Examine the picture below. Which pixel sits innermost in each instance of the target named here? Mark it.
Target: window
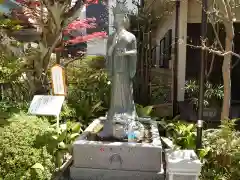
(154, 57)
(168, 45)
(165, 50)
(162, 47)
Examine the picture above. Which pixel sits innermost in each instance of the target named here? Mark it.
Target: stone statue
(121, 64)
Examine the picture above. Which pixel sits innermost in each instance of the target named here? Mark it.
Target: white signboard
(58, 80)
(46, 105)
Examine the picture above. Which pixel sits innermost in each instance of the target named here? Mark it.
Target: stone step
(104, 174)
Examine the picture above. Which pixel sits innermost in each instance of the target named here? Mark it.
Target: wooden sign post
(58, 81)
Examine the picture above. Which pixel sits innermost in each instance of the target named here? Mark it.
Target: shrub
(220, 153)
(213, 94)
(20, 158)
(182, 134)
(88, 91)
(222, 157)
(10, 107)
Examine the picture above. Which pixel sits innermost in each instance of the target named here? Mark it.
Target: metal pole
(202, 78)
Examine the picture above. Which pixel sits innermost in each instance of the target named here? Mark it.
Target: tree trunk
(226, 71)
(37, 79)
(37, 84)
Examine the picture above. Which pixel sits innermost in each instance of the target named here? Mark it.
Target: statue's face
(120, 20)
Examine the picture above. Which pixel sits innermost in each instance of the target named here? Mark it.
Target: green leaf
(62, 135)
(74, 136)
(62, 145)
(76, 128)
(204, 152)
(96, 106)
(190, 127)
(38, 166)
(63, 127)
(55, 137)
(147, 110)
(59, 158)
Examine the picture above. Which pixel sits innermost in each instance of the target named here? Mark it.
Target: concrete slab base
(104, 174)
(99, 160)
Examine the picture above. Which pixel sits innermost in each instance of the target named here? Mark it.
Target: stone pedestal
(106, 174)
(116, 160)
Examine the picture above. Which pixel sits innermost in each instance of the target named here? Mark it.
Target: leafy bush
(20, 156)
(182, 134)
(221, 148)
(144, 111)
(88, 91)
(213, 93)
(10, 107)
(221, 152)
(63, 140)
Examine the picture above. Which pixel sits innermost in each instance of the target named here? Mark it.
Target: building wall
(168, 22)
(195, 11)
(190, 13)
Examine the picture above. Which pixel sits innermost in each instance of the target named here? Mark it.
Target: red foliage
(86, 38)
(80, 24)
(76, 25)
(30, 3)
(83, 24)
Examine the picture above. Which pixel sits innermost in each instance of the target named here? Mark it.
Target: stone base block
(103, 174)
(122, 156)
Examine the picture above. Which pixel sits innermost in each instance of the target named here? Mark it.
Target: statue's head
(121, 18)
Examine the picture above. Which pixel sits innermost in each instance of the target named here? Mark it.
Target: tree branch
(74, 9)
(74, 59)
(218, 52)
(216, 35)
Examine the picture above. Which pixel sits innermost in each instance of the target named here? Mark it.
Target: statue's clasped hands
(121, 51)
(124, 52)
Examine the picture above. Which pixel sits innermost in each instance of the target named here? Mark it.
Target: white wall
(168, 22)
(190, 12)
(182, 49)
(195, 11)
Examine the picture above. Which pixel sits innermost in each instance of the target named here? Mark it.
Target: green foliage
(213, 94)
(64, 139)
(6, 23)
(144, 111)
(182, 134)
(20, 156)
(9, 65)
(11, 70)
(222, 152)
(88, 91)
(10, 107)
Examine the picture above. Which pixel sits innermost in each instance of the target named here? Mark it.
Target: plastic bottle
(131, 132)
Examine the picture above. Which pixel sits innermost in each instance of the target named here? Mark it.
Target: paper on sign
(58, 80)
(46, 105)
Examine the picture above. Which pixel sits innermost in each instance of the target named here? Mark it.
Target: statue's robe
(122, 69)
